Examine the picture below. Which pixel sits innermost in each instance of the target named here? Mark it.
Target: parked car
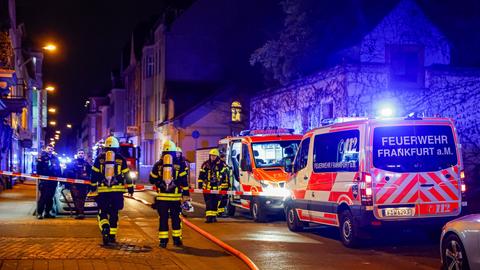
(64, 202)
(460, 243)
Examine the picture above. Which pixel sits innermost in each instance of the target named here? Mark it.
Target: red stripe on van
(445, 188)
(392, 188)
(320, 181)
(407, 189)
(423, 197)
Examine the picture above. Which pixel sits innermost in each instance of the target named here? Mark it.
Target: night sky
(90, 36)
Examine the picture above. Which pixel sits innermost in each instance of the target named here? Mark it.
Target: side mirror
(288, 166)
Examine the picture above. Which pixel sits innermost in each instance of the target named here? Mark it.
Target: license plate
(90, 204)
(398, 212)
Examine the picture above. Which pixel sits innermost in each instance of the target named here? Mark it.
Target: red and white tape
(146, 187)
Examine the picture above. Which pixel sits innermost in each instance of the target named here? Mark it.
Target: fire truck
(365, 174)
(257, 159)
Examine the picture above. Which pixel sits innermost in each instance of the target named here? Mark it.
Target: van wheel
(230, 208)
(294, 224)
(348, 231)
(257, 211)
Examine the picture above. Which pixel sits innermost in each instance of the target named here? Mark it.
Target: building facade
(404, 64)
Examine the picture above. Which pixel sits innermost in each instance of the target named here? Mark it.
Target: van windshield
(274, 154)
(419, 148)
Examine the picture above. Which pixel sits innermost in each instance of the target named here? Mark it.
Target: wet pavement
(272, 246)
(66, 243)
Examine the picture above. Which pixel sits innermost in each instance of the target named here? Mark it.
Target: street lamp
(52, 110)
(53, 123)
(57, 132)
(50, 88)
(50, 47)
(69, 125)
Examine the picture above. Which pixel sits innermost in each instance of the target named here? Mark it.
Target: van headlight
(133, 175)
(273, 189)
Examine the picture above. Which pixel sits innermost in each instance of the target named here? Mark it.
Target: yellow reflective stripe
(130, 185)
(221, 210)
(103, 222)
(153, 175)
(168, 199)
(211, 213)
(185, 188)
(182, 174)
(94, 184)
(163, 235)
(200, 180)
(113, 230)
(169, 194)
(202, 170)
(176, 233)
(95, 169)
(125, 170)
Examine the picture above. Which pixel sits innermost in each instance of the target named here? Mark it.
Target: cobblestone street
(65, 243)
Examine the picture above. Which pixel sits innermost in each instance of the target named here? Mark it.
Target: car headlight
(133, 175)
(273, 189)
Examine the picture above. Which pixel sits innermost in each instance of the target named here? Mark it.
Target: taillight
(463, 187)
(366, 191)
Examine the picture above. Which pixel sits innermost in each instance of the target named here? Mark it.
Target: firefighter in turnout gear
(224, 186)
(49, 165)
(79, 169)
(169, 175)
(212, 174)
(110, 178)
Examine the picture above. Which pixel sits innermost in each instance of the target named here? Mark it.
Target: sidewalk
(65, 243)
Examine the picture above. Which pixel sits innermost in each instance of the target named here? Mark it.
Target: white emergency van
(375, 172)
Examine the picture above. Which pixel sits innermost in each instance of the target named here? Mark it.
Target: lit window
(236, 111)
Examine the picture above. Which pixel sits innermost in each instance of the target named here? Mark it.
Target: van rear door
(416, 170)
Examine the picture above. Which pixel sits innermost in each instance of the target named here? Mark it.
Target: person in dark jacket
(47, 165)
(79, 169)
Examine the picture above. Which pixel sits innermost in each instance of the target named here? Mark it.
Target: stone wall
(300, 104)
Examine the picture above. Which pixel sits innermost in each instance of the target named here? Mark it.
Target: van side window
(246, 164)
(302, 157)
(336, 152)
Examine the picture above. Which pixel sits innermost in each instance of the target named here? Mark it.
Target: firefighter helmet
(214, 152)
(169, 146)
(112, 142)
(179, 150)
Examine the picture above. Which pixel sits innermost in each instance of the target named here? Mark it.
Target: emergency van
(367, 173)
(257, 159)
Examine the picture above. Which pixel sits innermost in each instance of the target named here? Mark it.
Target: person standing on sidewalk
(224, 186)
(169, 175)
(212, 175)
(110, 178)
(48, 165)
(79, 169)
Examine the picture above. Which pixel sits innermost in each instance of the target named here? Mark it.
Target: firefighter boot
(209, 219)
(214, 219)
(106, 234)
(163, 243)
(177, 241)
(111, 239)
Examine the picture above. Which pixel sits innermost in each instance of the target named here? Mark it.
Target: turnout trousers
(109, 203)
(165, 210)
(211, 203)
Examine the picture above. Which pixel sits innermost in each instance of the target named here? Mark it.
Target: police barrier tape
(273, 193)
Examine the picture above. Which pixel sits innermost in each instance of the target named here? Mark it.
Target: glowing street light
(69, 125)
(52, 139)
(53, 123)
(57, 132)
(50, 88)
(52, 110)
(50, 47)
